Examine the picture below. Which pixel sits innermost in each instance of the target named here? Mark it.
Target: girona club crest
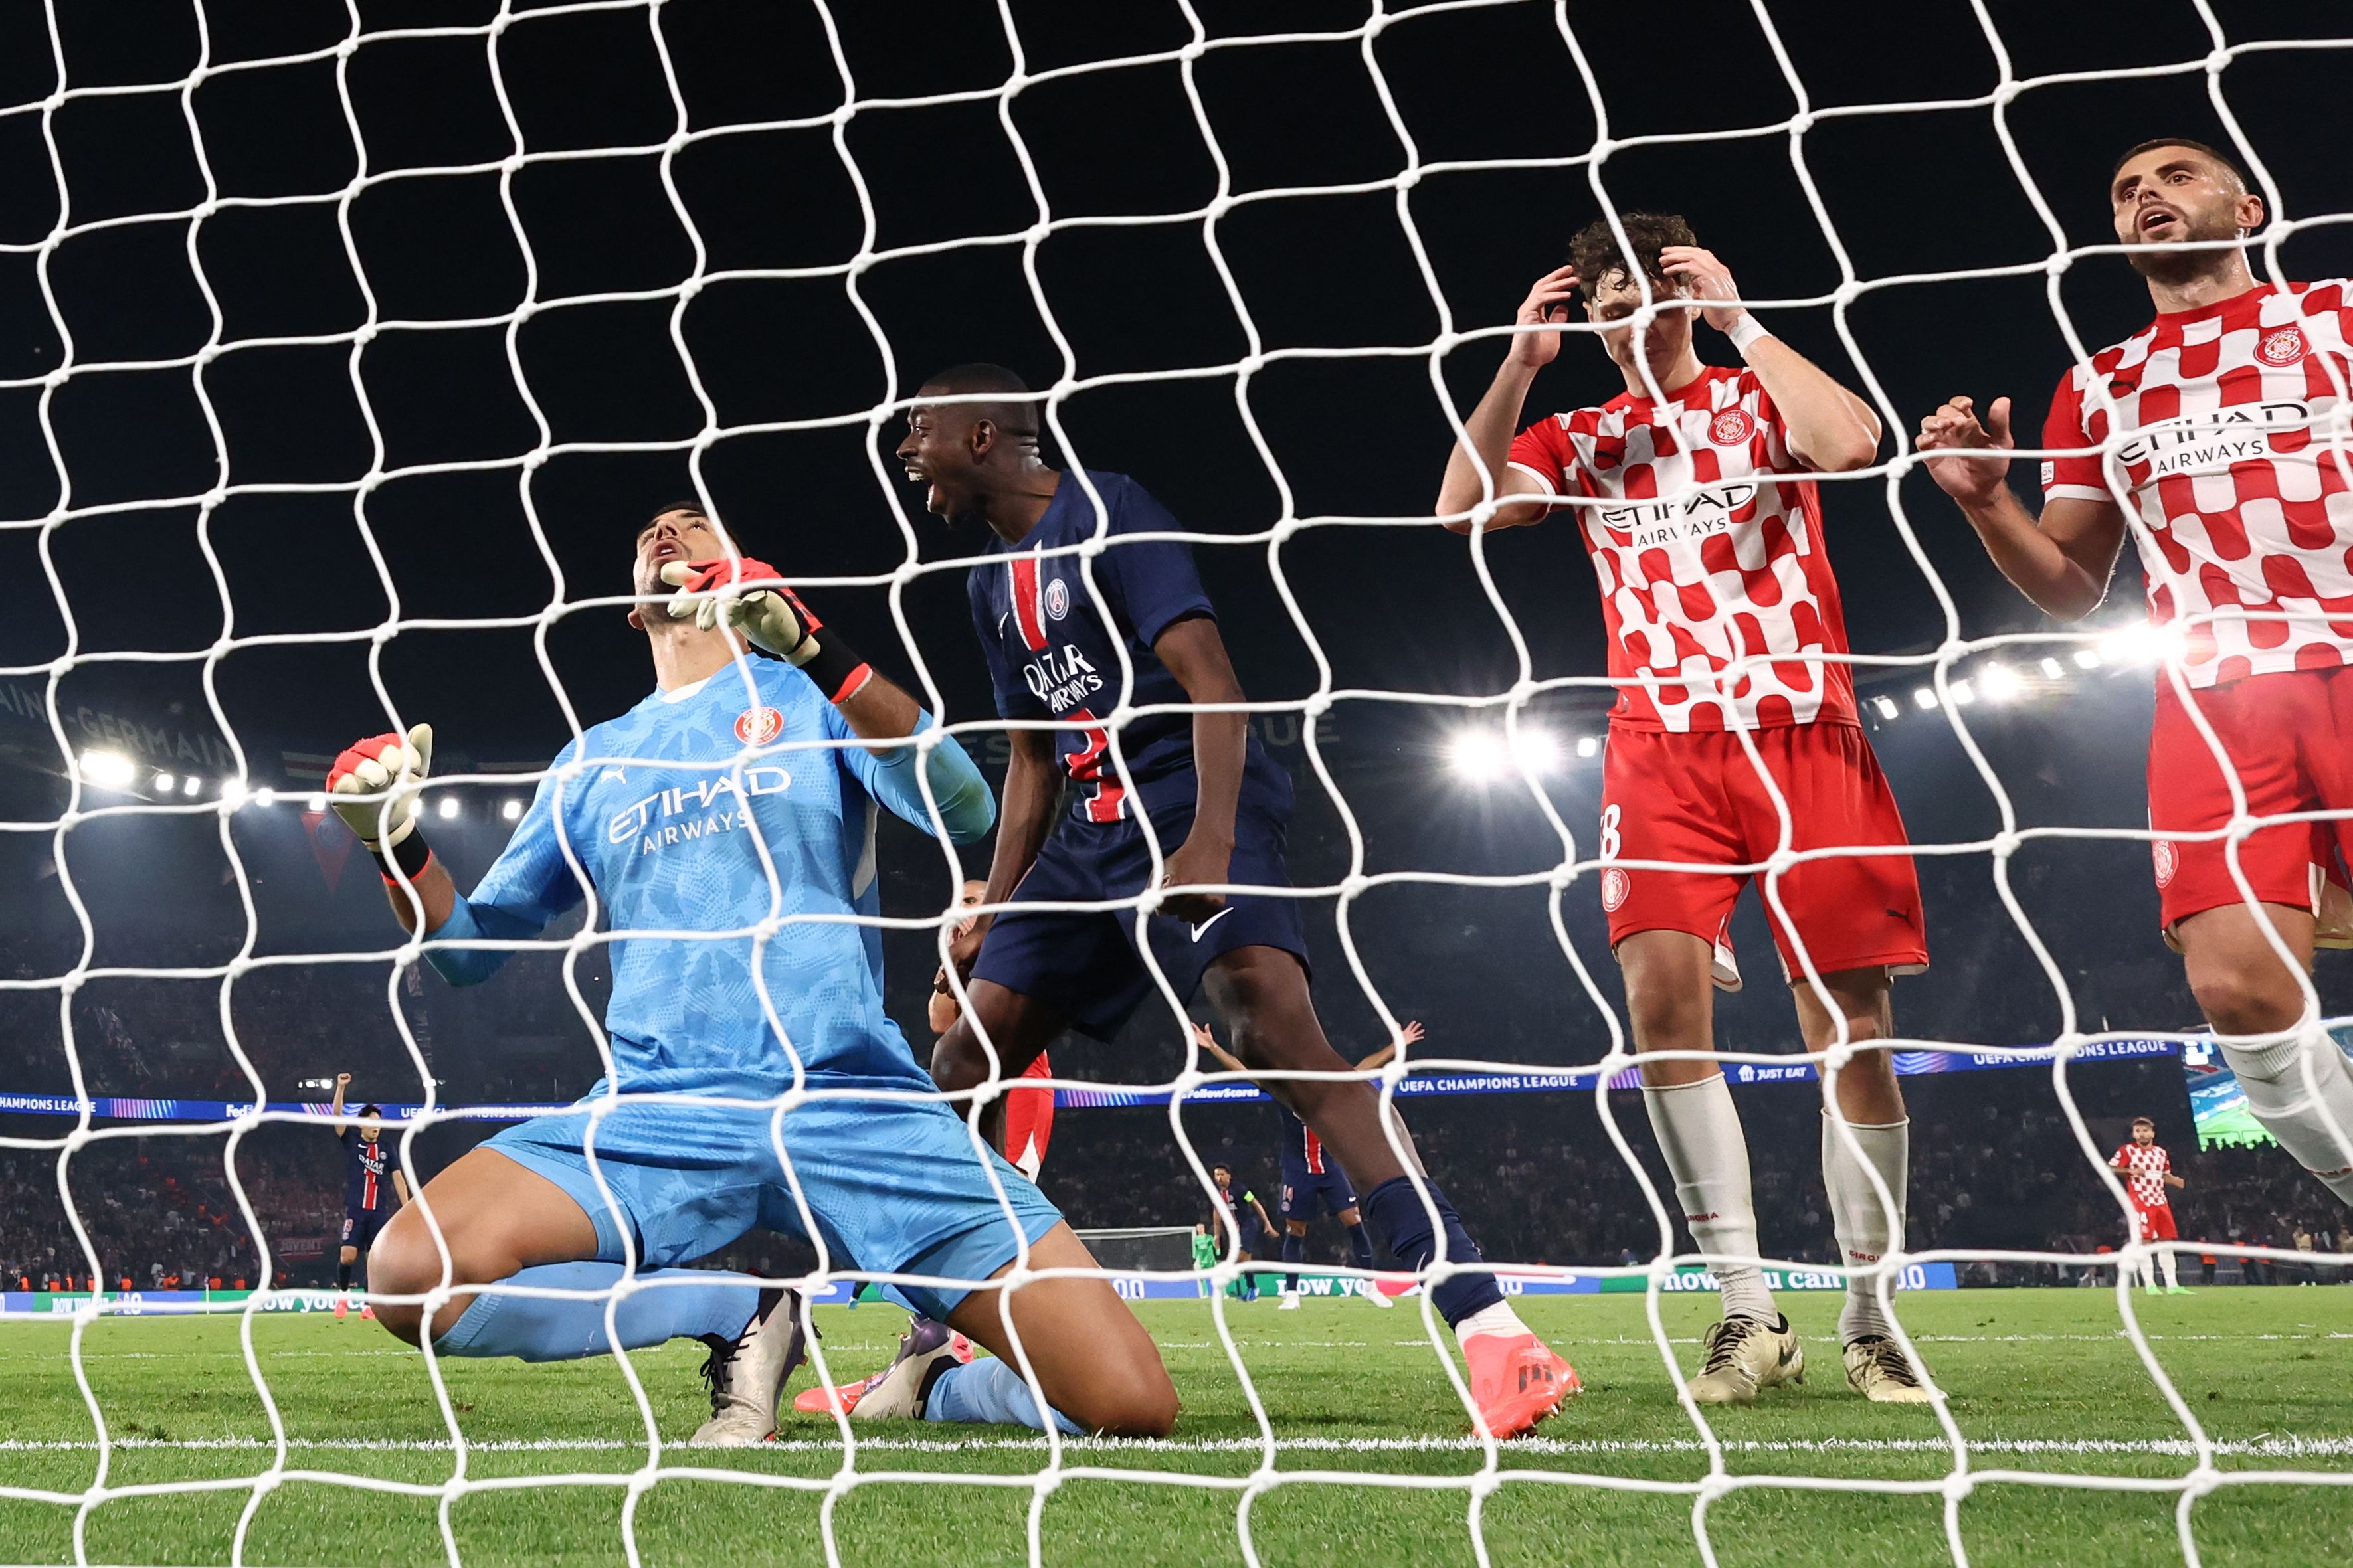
(2283, 345)
(1614, 889)
(2167, 858)
(1731, 427)
(758, 726)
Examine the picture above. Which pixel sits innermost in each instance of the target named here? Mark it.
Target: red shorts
(2289, 737)
(2157, 1225)
(1029, 1120)
(1695, 798)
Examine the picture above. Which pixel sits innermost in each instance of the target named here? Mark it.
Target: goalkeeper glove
(770, 615)
(364, 776)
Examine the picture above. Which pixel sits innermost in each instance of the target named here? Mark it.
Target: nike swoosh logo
(1213, 920)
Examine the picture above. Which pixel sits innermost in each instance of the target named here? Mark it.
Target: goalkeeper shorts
(2289, 736)
(894, 1185)
(1695, 798)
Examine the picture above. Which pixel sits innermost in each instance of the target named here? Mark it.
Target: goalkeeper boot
(897, 1392)
(1517, 1380)
(1877, 1368)
(747, 1373)
(846, 1395)
(1743, 1356)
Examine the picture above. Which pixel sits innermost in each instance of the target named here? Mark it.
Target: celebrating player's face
(935, 456)
(1615, 297)
(2170, 197)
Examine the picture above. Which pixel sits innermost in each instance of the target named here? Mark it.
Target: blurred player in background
(374, 1185)
(1244, 1218)
(1310, 1177)
(1692, 491)
(2148, 1170)
(2213, 422)
(662, 821)
(1218, 809)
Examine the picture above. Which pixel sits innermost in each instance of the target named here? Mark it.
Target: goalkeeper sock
(1707, 1155)
(1294, 1248)
(1360, 1242)
(1397, 1210)
(542, 1327)
(991, 1390)
(2297, 1115)
(1857, 1219)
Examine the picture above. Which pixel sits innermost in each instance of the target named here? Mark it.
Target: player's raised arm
(375, 785)
(2062, 561)
(342, 1082)
(1208, 1042)
(1410, 1034)
(1831, 429)
(1492, 424)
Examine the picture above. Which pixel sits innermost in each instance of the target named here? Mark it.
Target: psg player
(733, 877)
(1219, 808)
(1243, 1218)
(1692, 489)
(2215, 434)
(374, 1185)
(2148, 1172)
(1311, 1177)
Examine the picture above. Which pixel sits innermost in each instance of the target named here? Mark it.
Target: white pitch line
(2163, 1447)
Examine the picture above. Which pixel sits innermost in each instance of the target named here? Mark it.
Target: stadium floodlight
(2088, 659)
(192, 786)
(164, 784)
(2139, 643)
(1963, 692)
(1887, 707)
(1925, 697)
(108, 770)
(1587, 746)
(511, 811)
(448, 806)
(265, 798)
(1482, 756)
(2001, 683)
(316, 803)
(1537, 750)
(2054, 669)
(232, 793)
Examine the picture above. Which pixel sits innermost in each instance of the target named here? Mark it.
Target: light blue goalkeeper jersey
(663, 832)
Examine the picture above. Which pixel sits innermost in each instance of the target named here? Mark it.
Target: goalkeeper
(683, 818)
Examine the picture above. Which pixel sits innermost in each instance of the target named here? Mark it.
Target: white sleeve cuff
(2075, 492)
(1544, 480)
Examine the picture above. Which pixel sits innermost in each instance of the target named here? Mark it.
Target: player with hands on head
(2212, 425)
(373, 1186)
(1058, 628)
(1693, 492)
(683, 818)
(2148, 1172)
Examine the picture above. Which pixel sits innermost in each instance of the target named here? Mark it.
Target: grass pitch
(2042, 1383)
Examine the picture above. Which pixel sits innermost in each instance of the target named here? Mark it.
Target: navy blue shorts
(1087, 965)
(1302, 1189)
(360, 1227)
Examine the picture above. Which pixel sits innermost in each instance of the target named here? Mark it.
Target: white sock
(2274, 1077)
(1856, 1217)
(2172, 1274)
(2148, 1271)
(1498, 1319)
(1707, 1155)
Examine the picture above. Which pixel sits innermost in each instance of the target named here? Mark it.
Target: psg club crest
(2168, 861)
(1614, 888)
(1731, 427)
(2282, 346)
(1057, 599)
(758, 726)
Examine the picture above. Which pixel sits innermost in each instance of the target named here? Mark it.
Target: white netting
(1061, 1461)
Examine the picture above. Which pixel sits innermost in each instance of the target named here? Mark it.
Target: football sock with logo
(1360, 1242)
(2296, 1112)
(1707, 1155)
(1397, 1211)
(1294, 1247)
(547, 1328)
(1858, 1218)
(988, 1390)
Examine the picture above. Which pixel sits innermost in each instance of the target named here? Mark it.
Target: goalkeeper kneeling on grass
(738, 792)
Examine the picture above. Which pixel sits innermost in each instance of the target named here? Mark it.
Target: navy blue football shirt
(368, 1170)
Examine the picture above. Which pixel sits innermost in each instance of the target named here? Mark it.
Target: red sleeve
(2077, 477)
(1544, 452)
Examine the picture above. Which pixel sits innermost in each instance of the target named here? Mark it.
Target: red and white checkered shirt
(2221, 415)
(2144, 1171)
(1708, 543)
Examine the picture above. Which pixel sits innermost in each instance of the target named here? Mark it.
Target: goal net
(345, 351)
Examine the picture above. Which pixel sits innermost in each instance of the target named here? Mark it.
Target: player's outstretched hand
(1972, 481)
(1706, 280)
(770, 615)
(1547, 305)
(368, 771)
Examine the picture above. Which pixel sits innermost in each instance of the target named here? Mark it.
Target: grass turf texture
(2042, 1381)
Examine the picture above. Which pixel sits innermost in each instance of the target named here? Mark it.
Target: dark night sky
(1360, 436)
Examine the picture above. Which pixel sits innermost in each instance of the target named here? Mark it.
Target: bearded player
(1692, 491)
(738, 802)
(1218, 809)
(2219, 424)
(2148, 1172)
